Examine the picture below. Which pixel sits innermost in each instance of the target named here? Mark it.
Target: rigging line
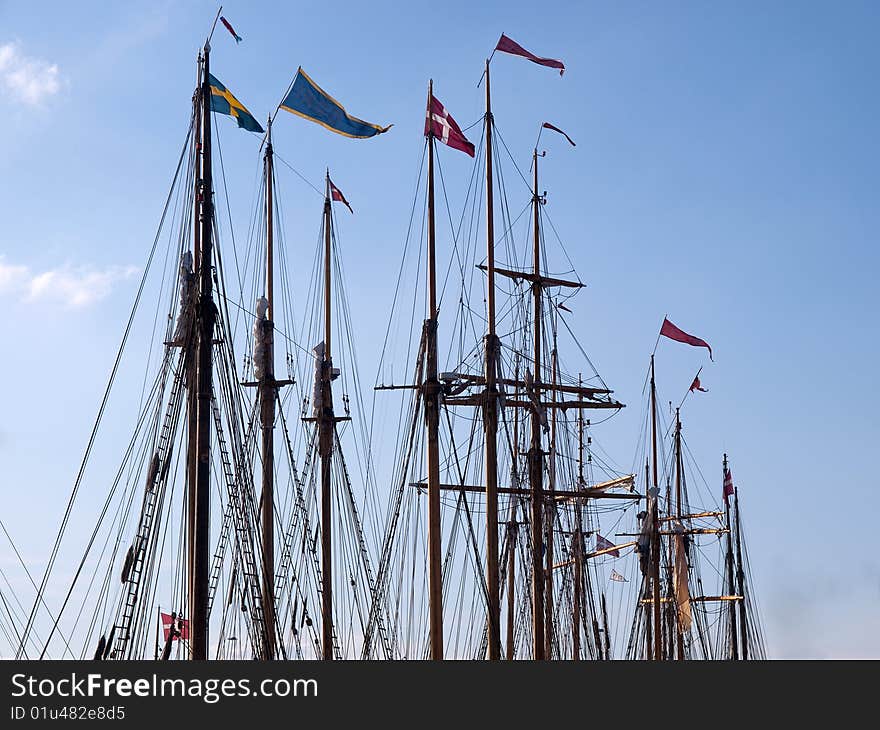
(515, 166)
(297, 173)
(100, 415)
(252, 314)
(228, 209)
(30, 578)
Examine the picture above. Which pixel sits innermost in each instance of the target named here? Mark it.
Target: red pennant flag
(547, 125)
(674, 333)
(728, 485)
(179, 626)
(230, 29)
(506, 45)
(443, 127)
(337, 195)
(696, 385)
(603, 544)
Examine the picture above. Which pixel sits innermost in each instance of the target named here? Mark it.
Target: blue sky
(725, 174)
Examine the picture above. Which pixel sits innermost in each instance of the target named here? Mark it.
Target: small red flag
(674, 333)
(507, 45)
(180, 626)
(230, 29)
(547, 125)
(696, 385)
(337, 195)
(728, 484)
(603, 544)
(442, 126)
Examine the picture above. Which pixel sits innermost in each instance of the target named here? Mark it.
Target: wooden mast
(206, 316)
(535, 455)
(326, 428)
(550, 505)
(267, 392)
(734, 649)
(191, 382)
(655, 527)
(740, 575)
(431, 394)
(512, 531)
(490, 406)
(679, 638)
(649, 643)
(578, 544)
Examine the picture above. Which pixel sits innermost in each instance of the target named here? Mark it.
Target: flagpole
(657, 341)
(213, 25)
(689, 390)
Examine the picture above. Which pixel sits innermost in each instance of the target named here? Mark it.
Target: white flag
(618, 577)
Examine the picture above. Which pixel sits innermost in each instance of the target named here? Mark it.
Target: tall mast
(191, 381)
(734, 652)
(740, 575)
(578, 542)
(267, 392)
(490, 415)
(679, 640)
(431, 392)
(551, 514)
(206, 316)
(649, 607)
(655, 527)
(326, 427)
(535, 454)
(513, 528)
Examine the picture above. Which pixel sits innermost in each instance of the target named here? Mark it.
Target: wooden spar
(535, 454)
(511, 582)
(431, 394)
(578, 543)
(585, 391)
(561, 495)
(206, 315)
(734, 649)
(326, 428)
(191, 382)
(512, 535)
(490, 406)
(607, 633)
(550, 507)
(655, 529)
(740, 574)
(595, 554)
(267, 391)
(678, 543)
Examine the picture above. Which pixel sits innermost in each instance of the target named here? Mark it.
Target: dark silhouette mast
(267, 390)
(206, 317)
(431, 393)
(535, 455)
(490, 405)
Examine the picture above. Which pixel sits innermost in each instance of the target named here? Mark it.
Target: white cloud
(71, 287)
(30, 80)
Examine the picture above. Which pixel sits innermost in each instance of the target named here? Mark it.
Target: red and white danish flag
(443, 127)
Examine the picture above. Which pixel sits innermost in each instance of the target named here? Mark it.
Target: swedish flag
(310, 101)
(223, 102)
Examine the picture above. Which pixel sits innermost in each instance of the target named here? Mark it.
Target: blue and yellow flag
(310, 101)
(223, 102)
